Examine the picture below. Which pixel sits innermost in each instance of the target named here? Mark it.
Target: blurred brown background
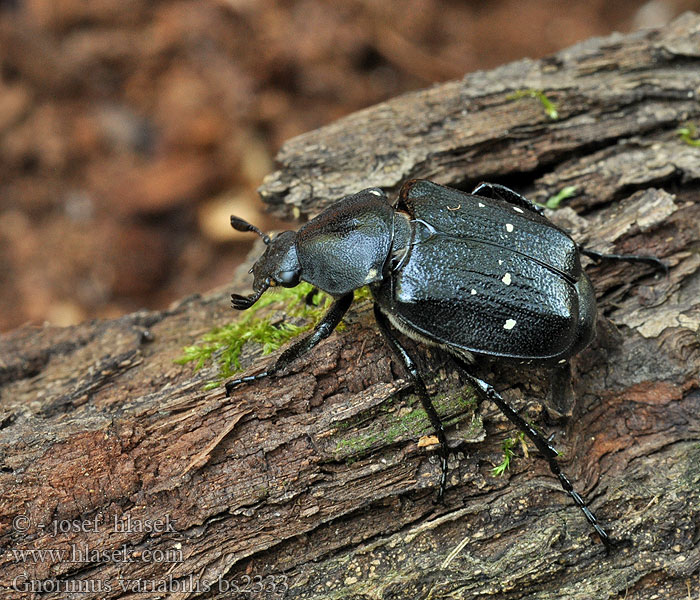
(130, 130)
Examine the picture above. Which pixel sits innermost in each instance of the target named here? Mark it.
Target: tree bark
(319, 482)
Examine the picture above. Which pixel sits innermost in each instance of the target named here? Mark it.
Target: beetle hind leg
(415, 377)
(487, 391)
(650, 260)
(497, 191)
(560, 398)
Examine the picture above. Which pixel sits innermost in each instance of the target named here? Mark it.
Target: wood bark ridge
(316, 481)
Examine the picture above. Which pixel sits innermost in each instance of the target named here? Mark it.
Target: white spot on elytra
(473, 292)
(517, 209)
(506, 279)
(481, 205)
(375, 192)
(562, 361)
(500, 262)
(509, 324)
(509, 227)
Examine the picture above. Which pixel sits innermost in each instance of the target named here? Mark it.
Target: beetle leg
(415, 377)
(501, 192)
(487, 391)
(309, 298)
(560, 399)
(321, 331)
(650, 260)
(497, 191)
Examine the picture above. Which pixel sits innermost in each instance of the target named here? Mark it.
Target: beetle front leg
(321, 331)
(309, 298)
(415, 377)
(487, 391)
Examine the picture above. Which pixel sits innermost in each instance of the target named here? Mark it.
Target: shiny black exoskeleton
(480, 274)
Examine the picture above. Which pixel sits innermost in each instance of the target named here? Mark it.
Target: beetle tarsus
(247, 379)
(240, 302)
(487, 391)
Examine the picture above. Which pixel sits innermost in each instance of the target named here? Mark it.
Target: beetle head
(279, 264)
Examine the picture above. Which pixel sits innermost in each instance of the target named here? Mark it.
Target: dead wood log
(122, 478)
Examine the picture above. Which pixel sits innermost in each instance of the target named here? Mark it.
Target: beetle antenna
(242, 302)
(240, 225)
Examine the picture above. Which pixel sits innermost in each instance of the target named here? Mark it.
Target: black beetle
(480, 274)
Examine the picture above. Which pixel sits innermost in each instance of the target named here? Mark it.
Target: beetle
(484, 274)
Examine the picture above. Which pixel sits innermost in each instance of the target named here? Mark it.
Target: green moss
(508, 445)
(223, 345)
(689, 135)
(550, 108)
(553, 202)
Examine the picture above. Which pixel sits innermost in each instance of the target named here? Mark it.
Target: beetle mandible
(480, 274)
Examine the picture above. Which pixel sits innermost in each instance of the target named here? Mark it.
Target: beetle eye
(288, 278)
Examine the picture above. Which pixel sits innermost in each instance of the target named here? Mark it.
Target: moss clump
(508, 445)
(223, 345)
(689, 135)
(553, 202)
